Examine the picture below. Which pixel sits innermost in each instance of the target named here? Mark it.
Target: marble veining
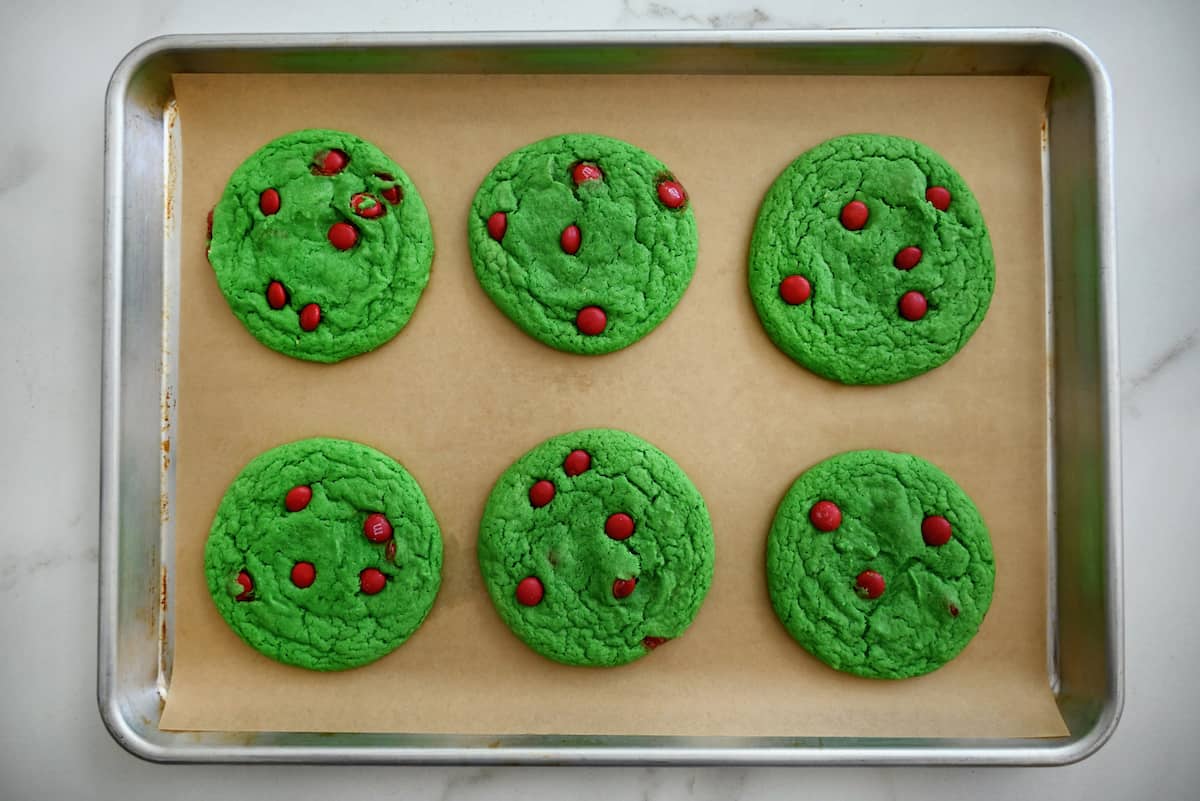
(1176, 353)
(664, 14)
(31, 566)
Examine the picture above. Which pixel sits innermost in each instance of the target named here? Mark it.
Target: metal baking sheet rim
(131, 696)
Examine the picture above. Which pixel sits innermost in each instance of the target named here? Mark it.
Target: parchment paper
(462, 392)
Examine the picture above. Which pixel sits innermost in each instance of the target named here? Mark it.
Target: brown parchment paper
(462, 392)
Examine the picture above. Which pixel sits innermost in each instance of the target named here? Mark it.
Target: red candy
(497, 224)
(591, 320)
(619, 526)
(935, 530)
(304, 574)
(953, 610)
(653, 642)
(210, 214)
(541, 493)
(583, 172)
(297, 498)
(268, 201)
(310, 317)
(367, 206)
(371, 581)
(343, 235)
(623, 588)
(570, 239)
(939, 196)
(277, 296)
(854, 215)
(530, 591)
(393, 194)
(913, 306)
(825, 515)
(671, 194)
(577, 462)
(795, 289)
(247, 583)
(869, 584)
(331, 162)
(376, 528)
(907, 258)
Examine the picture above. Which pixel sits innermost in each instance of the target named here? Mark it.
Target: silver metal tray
(141, 262)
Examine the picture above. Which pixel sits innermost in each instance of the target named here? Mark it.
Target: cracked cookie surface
(321, 245)
(879, 564)
(870, 261)
(324, 554)
(585, 242)
(596, 548)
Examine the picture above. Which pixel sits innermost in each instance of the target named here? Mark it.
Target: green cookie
(585, 242)
(321, 245)
(596, 548)
(878, 297)
(879, 564)
(324, 554)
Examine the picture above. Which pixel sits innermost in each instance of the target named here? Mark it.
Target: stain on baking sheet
(170, 120)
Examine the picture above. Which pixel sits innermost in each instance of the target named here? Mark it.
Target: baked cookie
(321, 245)
(879, 564)
(324, 554)
(870, 262)
(585, 242)
(596, 548)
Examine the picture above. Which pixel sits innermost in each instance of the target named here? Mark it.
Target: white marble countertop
(56, 60)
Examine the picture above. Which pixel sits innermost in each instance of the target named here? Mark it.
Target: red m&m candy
(869, 584)
(938, 197)
(277, 296)
(541, 493)
(577, 462)
(331, 162)
(913, 306)
(571, 239)
(366, 206)
(907, 258)
(825, 515)
(935, 530)
(671, 194)
(583, 172)
(591, 320)
(297, 498)
(304, 574)
(310, 317)
(497, 224)
(795, 289)
(619, 526)
(623, 588)
(854, 215)
(376, 528)
(371, 581)
(243, 578)
(530, 591)
(343, 235)
(268, 201)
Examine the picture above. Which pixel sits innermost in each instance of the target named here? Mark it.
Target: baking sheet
(462, 392)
